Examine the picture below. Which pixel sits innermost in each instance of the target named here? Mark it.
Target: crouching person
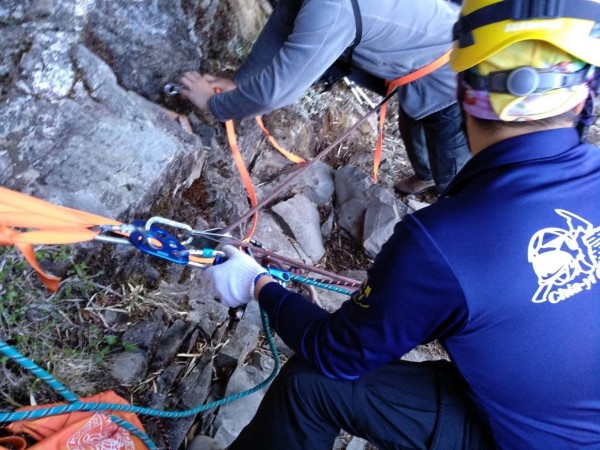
(503, 271)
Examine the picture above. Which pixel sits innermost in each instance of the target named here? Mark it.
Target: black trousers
(436, 145)
(402, 405)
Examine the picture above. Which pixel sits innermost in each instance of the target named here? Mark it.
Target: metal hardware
(159, 243)
(279, 274)
(172, 223)
(172, 89)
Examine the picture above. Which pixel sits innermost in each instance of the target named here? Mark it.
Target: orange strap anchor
(239, 162)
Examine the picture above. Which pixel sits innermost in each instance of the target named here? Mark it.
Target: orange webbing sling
(393, 84)
(26, 221)
(239, 162)
(275, 144)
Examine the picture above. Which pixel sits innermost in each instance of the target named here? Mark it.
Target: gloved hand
(233, 281)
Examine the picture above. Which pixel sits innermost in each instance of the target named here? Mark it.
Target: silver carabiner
(123, 228)
(171, 223)
(172, 89)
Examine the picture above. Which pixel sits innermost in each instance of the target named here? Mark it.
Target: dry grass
(64, 332)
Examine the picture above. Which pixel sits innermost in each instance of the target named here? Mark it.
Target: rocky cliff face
(81, 125)
(84, 123)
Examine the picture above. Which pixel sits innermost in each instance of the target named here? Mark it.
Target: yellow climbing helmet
(487, 26)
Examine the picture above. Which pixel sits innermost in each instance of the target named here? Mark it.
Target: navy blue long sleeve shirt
(504, 271)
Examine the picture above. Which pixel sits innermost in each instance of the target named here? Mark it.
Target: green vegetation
(63, 332)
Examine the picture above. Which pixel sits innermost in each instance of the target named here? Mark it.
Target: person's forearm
(236, 105)
(321, 33)
(290, 314)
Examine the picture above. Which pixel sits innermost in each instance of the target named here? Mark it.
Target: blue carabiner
(157, 242)
(279, 274)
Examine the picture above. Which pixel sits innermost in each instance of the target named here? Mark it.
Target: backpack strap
(358, 37)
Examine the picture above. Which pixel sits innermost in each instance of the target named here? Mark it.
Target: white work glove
(233, 281)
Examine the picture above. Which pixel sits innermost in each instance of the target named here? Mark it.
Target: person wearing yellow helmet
(522, 60)
(503, 271)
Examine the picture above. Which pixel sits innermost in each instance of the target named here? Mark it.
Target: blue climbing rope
(172, 250)
(77, 405)
(286, 276)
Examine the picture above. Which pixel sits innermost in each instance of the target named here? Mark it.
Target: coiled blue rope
(77, 405)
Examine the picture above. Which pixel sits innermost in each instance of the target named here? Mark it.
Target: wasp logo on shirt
(565, 260)
(362, 294)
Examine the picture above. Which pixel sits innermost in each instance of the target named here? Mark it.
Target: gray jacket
(302, 38)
